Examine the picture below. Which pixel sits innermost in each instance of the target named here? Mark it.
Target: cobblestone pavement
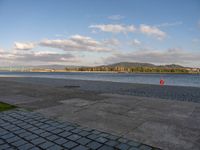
(25, 130)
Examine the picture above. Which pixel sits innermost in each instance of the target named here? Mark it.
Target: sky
(97, 32)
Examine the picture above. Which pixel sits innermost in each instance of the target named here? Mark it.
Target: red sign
(162, 82)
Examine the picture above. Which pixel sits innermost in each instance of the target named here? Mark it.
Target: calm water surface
(170, 79)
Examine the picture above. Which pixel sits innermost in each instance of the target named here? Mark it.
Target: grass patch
(4, 106)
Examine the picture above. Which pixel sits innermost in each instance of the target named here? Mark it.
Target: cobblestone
(28, 130)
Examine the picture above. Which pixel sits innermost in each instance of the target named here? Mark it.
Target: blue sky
(91, 32)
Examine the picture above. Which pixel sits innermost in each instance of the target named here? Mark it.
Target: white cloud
(112, 42)
(169, 56)
(152, 31)
(77, 43)
(36, 57)
(23, 46)
(135, 42)
(114, 28)
(1, 50)
(115, 17)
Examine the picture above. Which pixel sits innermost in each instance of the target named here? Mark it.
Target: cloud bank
(152, 31)
(114, 28)
(23, 46)
(77, 43)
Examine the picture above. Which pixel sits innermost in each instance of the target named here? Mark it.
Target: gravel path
(165, 92)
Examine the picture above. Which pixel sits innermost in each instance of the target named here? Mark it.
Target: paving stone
(74, 137)
(2, 121)
(65, 134)
(61, 141)
(94, 145)
(17, 122)
(112, 143)
(10, 148)
(44, 126)
(57, 131)
(50, 128)
(38, 141)
(66, 123)
(2, 133)
(52, 137)
(26, 146)
(83, 141)
(61, 126)
(70, 144)
(15, 128)
(19, 131)
(39, 131)
(53, 123)
(4, 146)
(5, 124)
(48, 121)
(39, 124)
(19, 143)
(24, 134)
(31, 137)
(32, 129)
(44, 120)
(92, 136)
(133, 148)
(88, 129)
(34, 122)
(7, 136)
(55, 147)
(28, 126)
(123, 146)
(13, 139)
(80, 147)
(22, 124)
(113, 137)
(46, 145)
(104, 134)
(68, 128)
(84, 133)
(29, 120)
(96, 132)
(76, 130)
(35, 148)
(1, 142)
(133, 143)
(45, 134)
(145, 147)
(10, 127)
(106, 148)
(101, 140)
(123, 140)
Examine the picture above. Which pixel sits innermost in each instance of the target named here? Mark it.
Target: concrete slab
(165, 124)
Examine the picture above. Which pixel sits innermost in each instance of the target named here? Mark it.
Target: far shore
(63, 71)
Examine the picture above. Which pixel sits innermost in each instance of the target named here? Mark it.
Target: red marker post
(162, 82)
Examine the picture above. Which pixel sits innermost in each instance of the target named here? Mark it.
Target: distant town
(122, 67)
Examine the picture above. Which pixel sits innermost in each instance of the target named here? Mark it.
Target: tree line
(130, 69)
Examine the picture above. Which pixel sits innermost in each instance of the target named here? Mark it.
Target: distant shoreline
(102, 72)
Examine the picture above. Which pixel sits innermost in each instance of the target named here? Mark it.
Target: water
(170, 79)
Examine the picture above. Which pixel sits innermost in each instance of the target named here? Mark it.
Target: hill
(131, 64)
